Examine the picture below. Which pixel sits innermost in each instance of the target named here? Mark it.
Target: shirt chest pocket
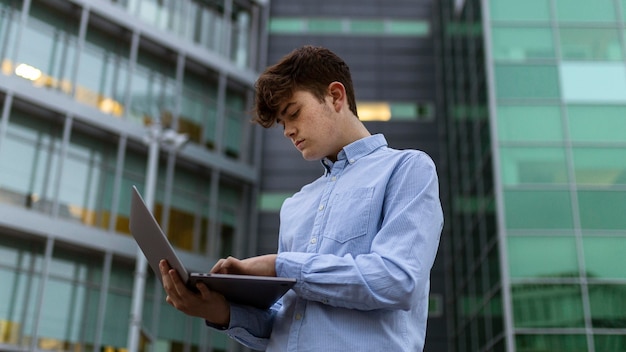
(349, 214)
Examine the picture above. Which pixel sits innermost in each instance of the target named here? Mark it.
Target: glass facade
(538, 180)
(80, 87)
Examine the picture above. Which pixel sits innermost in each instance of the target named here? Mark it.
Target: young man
(360, 240)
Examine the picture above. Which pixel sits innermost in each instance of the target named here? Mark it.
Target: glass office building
(82, 84)
(535, 98)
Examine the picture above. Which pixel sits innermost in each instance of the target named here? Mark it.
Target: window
(538, 209)
(103, 70)
(599, 44)
(48, 47)
(597, 123)
(153, 87)
(514, 10)
(529, 123)
(585, 11)
(518, 81)
(547, 306)
(522, 43)
(602, 209)
(600, 166)
(604, 256)
(29, 159)
(533, 166)
(593, 81)
(542, 256)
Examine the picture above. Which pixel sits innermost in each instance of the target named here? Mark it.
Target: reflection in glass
(547, 306)
(533, 165)
(198, 111)
(551, 343)
(103, 71)
(542, 256)
(585, 11)
(600, 166)
(608, 306)
(522, 43)
(600, 44)
(48, 48)
(88, 173)
(153, 91)
(29, 156)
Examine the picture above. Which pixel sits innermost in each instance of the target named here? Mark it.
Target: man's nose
(288, 130)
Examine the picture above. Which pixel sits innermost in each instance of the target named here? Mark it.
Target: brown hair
(307, 68)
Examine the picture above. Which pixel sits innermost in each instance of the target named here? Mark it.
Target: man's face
(311, 125)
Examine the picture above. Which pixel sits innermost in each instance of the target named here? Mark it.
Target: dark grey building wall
(383, 69)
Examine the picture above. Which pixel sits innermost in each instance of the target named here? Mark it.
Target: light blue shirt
(361, 241)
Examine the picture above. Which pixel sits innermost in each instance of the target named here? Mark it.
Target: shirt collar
(356, 150)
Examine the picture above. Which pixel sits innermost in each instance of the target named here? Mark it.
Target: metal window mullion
(132, 65)
(102, 302)
(509, 328)
(567, 145)
(117, 181)
(67, 130)
(4, 118)
(80, 46)
(41, 292)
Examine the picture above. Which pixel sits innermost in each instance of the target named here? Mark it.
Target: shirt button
(313, 240)
(321, 207)
(334, 178)
(298, 316)
(351, 161)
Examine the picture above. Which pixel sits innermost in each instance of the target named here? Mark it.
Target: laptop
(257, 291)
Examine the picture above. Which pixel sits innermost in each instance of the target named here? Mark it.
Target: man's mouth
(298, 143)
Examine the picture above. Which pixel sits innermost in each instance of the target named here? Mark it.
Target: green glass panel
(325, 25)
(529, 123)
(547, 306)
(600, 166)
(602, 210)
(597, 123)
(542, 256)
(585, 11)
(551, 343)
(533, 165)
(538, 210)
(408, 27)
(609, 343)
(602, 44)
(522, 44)
(593, 81)
(608, 306)
(272, 202)
(367, 26)
(515, 10)
(604, 256)
(526, 81)
(286, 25)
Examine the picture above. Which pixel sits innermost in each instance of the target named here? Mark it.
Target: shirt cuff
(289, 264)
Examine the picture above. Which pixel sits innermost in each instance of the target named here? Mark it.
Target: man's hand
(206, 304)
(264, 265)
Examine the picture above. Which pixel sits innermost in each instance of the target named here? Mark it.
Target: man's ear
(337, 92)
